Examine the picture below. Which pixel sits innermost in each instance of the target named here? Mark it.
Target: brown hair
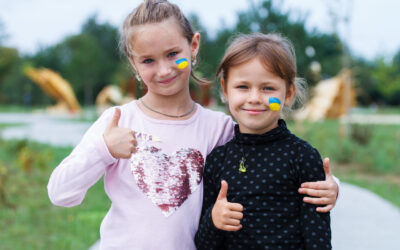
(153, 11)
(274, 51)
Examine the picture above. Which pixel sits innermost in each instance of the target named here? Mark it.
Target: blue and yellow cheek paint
(274, 104)
(182, 63)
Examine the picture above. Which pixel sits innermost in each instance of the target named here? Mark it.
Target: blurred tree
(88, 60)
(312, 48)
(366, 86)
(9, 58)
(387, 76)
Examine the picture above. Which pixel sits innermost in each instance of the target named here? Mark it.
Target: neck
(172, 105)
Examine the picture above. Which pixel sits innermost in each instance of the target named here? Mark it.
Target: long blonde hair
(152, 11)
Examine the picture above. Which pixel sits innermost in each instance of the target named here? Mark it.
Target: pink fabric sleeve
(225, 129)
(85, 165)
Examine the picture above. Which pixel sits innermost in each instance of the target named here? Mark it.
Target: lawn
(27, 218)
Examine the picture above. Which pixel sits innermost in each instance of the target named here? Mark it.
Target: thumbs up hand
(226, 215)
(121, 142)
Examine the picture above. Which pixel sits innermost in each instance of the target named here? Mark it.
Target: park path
(361, 220)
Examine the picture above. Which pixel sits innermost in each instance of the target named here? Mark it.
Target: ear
(224, 89)
(290, 95)
(195, 44)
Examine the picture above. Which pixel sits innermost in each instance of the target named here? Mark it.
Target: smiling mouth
(168, 80)
(254, 111)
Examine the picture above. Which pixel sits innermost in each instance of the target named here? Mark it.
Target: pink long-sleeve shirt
(157, 194)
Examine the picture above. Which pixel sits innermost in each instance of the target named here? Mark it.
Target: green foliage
(379, 153)
(89, 60)
(388, 79)
(29, 219)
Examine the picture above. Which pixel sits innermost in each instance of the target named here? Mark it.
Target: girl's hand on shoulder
(226, 215)
(121, 142)
(322, 192)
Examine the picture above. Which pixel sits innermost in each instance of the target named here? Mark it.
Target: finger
(235, 207)
(327, 168)
(232, 222)
(133, 141)
(316, 201)
(223, 191)
(133, 133)
(324, 209)
(231, 228)
(133, 149)
(315, 185)
(115, 119)
(236, 215)
(314, 192)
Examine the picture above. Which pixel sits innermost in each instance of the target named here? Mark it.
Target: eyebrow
(166, 51)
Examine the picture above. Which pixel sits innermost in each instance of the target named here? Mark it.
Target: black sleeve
(316, 229)
(208, 237)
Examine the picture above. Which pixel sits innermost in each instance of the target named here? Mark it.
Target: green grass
(6, 125)
(367, 157)
(29, 220)
(18, 108)
(376, 148)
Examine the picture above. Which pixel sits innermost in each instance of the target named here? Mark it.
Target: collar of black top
(277, 133)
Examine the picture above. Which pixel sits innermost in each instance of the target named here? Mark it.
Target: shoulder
(215, 160)
(301, 146)
(219, 151)
(213, 114)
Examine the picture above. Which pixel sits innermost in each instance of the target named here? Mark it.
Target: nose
(255, 97)
(164, 68)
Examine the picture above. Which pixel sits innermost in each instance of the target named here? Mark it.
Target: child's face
(156, 48)
(247, 89)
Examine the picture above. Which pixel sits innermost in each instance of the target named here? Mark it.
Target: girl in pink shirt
(152, 151)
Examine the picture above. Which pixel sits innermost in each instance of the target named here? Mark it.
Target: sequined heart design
(167, 180)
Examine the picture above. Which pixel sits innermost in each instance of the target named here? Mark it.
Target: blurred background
(60, 67)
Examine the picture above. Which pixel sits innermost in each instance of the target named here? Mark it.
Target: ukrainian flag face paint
(182, 63)
(274, 104)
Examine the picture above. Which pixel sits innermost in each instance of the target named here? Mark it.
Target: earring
(138, 77)
(194, 61)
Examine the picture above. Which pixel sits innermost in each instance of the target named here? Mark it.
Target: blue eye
(269, 88)
(172, 54)
(147, 61)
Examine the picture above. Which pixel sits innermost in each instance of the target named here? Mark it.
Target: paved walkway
(361, 220)
(54, 130)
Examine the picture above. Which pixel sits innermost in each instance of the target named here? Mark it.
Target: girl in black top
(264, 163)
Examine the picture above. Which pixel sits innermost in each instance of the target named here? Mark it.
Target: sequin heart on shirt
(167, 180)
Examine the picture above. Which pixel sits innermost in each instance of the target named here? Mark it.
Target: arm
(324, 192)
(85, 165)
(207, 236)
(316, 229)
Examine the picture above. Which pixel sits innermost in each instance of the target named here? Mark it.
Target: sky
(371, 30)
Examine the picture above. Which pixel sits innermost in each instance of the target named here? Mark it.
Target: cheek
(145, 72)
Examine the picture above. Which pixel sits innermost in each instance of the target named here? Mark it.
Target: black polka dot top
(274, 215)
